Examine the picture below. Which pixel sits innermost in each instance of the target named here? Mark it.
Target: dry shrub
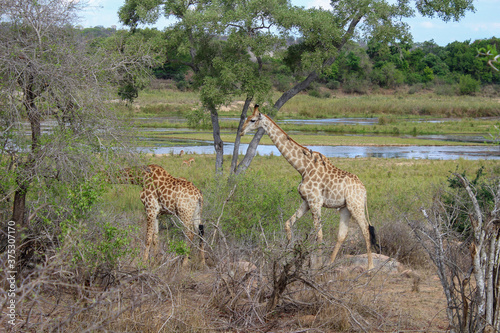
(276, 288)
(132, 298)
(398, 241)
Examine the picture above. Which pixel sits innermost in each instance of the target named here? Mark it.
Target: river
(172, 146)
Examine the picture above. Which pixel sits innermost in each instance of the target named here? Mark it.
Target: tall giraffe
(164, 194)
(323, 185)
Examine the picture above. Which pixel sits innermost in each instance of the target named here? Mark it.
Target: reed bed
(417, 105)
(339, 105)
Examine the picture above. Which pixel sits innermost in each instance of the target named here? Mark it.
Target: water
(408, 152)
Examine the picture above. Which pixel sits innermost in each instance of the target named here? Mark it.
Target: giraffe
(164, 194)
(322, 185)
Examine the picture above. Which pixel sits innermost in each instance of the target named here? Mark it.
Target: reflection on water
(409, 152)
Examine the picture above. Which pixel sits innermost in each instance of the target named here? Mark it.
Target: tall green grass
(401, 105)
(306, 106)
(266, 196)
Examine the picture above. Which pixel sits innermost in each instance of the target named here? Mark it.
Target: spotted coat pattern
(322, 185)
(164, 194)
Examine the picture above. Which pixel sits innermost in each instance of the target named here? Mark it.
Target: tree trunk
(26, 170)
(218, 143)
(19, 206)
(237, 140)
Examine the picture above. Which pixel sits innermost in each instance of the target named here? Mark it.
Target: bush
(282, 82)
(387, 76)
(446, 90)
(258, 207)
(352, 84)
(415, 88)
(467, 85)
(98, 247)
(198, 118)
(334, 85)
(314, 93)
(397, 241)
(460, 219)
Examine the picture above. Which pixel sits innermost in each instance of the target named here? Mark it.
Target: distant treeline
(454, 69)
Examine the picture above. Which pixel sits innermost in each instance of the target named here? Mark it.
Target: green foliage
(128, 91)
(179, 247)
(314, 93)
(387, 76)
(81, 197)
(467, 85)
(104, 247)
(94, 242)
(198, 118)
(352, 84)
(457, 200)
(490, 55)
(259, 205)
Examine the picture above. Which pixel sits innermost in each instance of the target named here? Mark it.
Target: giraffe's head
(253, 122)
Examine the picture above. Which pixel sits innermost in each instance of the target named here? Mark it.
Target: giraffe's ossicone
(323, 185)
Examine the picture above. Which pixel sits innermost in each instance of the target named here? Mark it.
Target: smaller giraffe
(164, 194)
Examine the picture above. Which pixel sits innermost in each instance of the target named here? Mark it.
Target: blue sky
(484, 23)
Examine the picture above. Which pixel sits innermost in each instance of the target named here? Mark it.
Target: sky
(482, 24)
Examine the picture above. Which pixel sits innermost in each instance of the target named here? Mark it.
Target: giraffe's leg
(155, 235)
(358, 214)
(304, 207)
(345, 217)
(152, 210)
(316, 257)
(151, 233)
(316, 213)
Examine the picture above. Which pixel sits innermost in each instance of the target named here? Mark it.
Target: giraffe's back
(174, 195)
(336, 186)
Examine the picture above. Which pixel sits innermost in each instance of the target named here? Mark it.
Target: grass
(416, 105)
(390, 182)
(398, 114)
(165, 101)
(306, 139)
(158, 296)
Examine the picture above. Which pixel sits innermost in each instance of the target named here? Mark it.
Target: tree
(469, 270)
(50, 75)
(323, 35)
(491, 55)
(221, 41)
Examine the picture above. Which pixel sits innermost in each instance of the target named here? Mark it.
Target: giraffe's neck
(293, 152)
(131, 176)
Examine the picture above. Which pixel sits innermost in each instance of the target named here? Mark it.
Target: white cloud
(325, 4)
(428, 25)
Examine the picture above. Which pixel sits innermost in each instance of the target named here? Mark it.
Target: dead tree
(468, 270)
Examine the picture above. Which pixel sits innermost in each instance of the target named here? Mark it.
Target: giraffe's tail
(371, 230)
(198, 224)
(197, 218)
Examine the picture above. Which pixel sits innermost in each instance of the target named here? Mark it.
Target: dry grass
(232, 294)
